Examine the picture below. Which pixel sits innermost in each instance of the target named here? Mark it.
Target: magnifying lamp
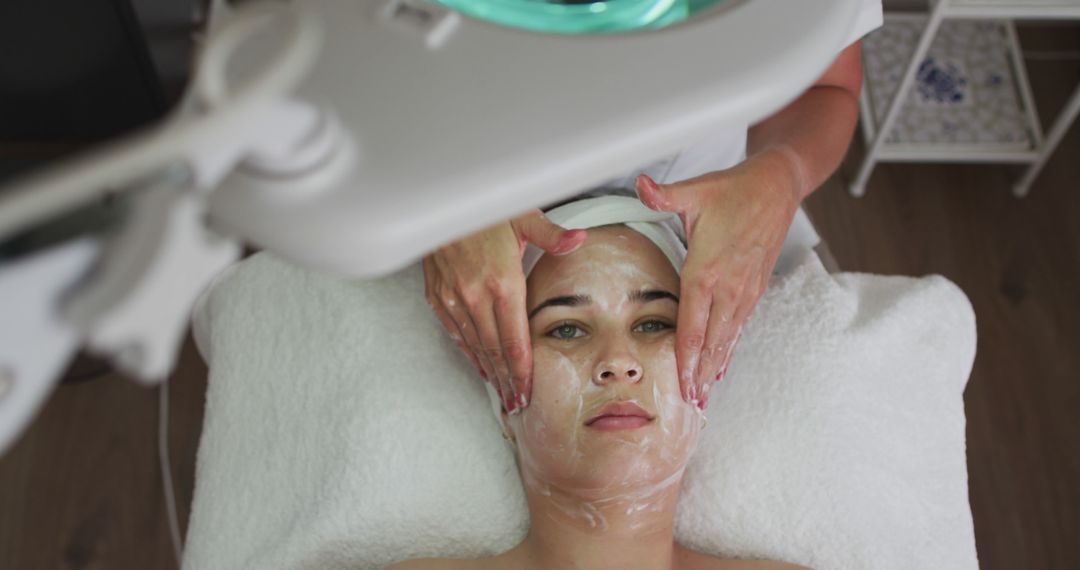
(453, 114)
(466, 116)
(355, 136)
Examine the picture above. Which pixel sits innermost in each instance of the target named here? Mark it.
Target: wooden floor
(1019, 263)
(82, 489)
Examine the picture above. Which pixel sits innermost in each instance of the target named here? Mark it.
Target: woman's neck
(626, 531)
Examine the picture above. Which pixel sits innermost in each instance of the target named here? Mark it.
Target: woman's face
(606, 415)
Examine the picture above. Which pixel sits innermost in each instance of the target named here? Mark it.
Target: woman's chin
(603, 464)
(608, 476)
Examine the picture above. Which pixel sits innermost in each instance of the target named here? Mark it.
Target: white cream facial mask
(589, 470)
(612, 350)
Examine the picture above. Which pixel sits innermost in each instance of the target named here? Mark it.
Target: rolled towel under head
(662, 228)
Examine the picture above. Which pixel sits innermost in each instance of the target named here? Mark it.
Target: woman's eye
(652, 326)
(566, 331)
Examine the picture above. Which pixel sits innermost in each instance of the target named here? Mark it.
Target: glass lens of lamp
(581, 16)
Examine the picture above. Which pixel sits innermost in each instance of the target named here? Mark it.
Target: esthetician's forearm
(816, 128)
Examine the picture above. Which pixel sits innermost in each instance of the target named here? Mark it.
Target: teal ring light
(581, 16)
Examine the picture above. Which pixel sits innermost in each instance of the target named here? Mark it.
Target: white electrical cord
(166, 472)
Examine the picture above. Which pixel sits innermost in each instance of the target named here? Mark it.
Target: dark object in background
(74, 71)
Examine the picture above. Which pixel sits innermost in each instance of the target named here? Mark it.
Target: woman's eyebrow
(563, 301)
(652, 295)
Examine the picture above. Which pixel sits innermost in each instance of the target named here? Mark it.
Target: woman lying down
(602, 447)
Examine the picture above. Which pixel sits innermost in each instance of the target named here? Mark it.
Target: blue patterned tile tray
(965, 91)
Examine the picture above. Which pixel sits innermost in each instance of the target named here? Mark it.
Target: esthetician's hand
(476, 287)
(736, 221)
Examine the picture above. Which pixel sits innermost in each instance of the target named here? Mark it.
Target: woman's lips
(619, 416)
(618, 423)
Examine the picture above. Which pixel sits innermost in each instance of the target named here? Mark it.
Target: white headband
(662, 228)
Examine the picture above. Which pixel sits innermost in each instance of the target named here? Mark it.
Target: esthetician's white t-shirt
(725, 149)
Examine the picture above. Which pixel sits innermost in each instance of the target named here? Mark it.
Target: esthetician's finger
(535, 228)
(512, 319)
(449, 309)
(466, 327)
(473, 333)
(752, 290)
(747, 303)
(488, 329)
(721, 344)
(722, 368)
(458, 335)
(678, 198)
(718, 342)
(695, 302)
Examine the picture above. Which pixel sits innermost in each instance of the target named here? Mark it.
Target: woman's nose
(621, 368)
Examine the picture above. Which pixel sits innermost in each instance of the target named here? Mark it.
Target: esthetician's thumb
(679, 197)
(536, 229)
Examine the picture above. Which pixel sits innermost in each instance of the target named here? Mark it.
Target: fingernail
(654, 200)
(522, 401)
(572, 235)
(647, 181)
(517, 403)
(568, 240)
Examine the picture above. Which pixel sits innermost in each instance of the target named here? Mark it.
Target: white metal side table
(951, 86)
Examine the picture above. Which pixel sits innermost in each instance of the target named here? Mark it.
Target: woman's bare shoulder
(435, 564)
(731, 564)
(690, 560)
(493, 563)
(502, 561)
(767, 565)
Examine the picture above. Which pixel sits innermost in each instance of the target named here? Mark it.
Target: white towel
(344, 430)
